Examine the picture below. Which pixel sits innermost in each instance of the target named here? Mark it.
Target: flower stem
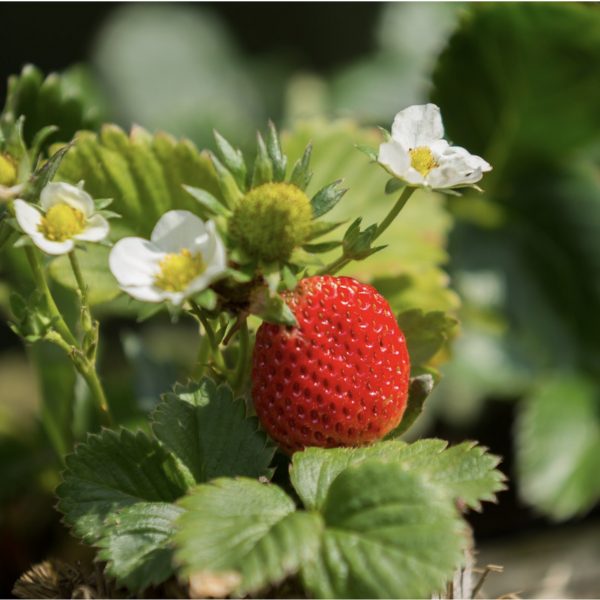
(240, 374)
(90, 375)
(42, 285)
(342, 261)
(69, 343)
(209, 332)
(406, 194)
(86, 318)
(202, 359)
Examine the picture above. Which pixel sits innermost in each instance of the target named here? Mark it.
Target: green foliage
(468, 472)
(243, 525)
(136, 544)
(558, 445)
(411, 273)
(142, 173)
(504, 113)
(111, 472)
(388, 534)
(419, 389)
(207, 430)
(425, 333)
(68, 101)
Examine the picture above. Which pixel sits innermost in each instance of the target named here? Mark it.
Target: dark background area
(317, 35)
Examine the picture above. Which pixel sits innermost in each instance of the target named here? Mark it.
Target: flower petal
(147, 293)
(418, 126)
(178, 229)
(28, 217)
(65, 193)
(96, 230)
(395, 158)
(134, 262)
(54, 248)
(456, 167)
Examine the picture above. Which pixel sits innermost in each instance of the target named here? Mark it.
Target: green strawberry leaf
(244, 526)
(208, 433)
(137, 544)
(389, 534)
(111, 472)
(558, 447)
(466, 471)
(144, 174)
(425, 333)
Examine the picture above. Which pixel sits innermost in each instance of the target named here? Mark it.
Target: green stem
(202, 359)
(40, 281)
(406, 194)
(86, 318)
(342, 261)
(240, 374)
(209, 332)
(97, 393)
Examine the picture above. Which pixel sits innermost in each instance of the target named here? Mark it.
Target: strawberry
(339, 378)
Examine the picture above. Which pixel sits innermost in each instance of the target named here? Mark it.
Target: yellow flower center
(422, 160)
(61, 223)
(179, 270)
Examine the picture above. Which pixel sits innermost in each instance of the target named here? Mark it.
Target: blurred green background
(517, 83)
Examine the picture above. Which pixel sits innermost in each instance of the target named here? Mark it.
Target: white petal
(134, 262)
(96, 230)
(456, 167)
(64, 193)
(414, 177)
(50, 247)
(147, 293)
(418, 126)
(394, 157)
(178, 229)
(28, 217)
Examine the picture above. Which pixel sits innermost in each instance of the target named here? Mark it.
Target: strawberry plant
(278, 459)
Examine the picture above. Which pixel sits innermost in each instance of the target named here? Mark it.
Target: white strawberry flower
(418, 155)
(68, 216)
(183, 257)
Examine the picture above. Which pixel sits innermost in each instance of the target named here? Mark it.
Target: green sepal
(240, 256)
(15, 146)
(208, 201)
(302, 258)
(300, 174)
(109, 214)
(357, 243)
(102, 203)
(278, 158)
(23, 241)
(46, 174)
(319, 228)
(227, 184)
(233, 160)
(272, 275)
(387, 136)
(288, 278)
(38, 141)
(449, 191)
(393, 185)
(245, 273)
(419, 389)
(271, 309)
(320, 248)
(149, 309)
(326, 198)
(370, 152)
(263, 166)
(206, 299)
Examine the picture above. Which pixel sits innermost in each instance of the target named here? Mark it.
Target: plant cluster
(334, 377)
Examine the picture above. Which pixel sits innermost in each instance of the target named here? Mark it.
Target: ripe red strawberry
(340, 378)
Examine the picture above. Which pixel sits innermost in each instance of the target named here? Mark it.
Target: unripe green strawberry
(340, 378)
